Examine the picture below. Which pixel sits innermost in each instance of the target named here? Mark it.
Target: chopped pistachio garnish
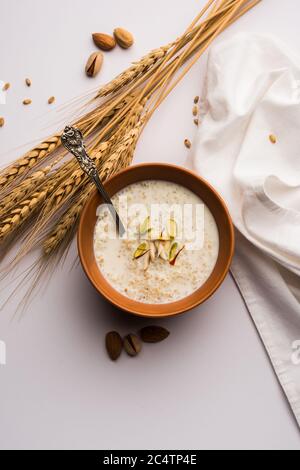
(152, 252)
(164, 236)
(174, 253)
(141, 250)
(146, 260)
(161, 252)
(164, 246)
(172, 228)
(145, 226)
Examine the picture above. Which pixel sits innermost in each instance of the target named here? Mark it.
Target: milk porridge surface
(160, 282)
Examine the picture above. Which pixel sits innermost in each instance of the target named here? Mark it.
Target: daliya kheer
(171, 246)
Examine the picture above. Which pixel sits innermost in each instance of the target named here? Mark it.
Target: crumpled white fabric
(252, 91)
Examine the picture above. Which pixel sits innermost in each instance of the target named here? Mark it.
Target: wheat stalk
(136, 70)
(23, 212)
(28, 161)
(69, 186)
(78, 178)
(66, 225)
(18, 170)
(120, 158)
(55, 198)
(121, 109)
(100, 117)
(27, 187)
(15, 218)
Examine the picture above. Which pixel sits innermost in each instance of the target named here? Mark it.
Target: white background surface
(210, 385)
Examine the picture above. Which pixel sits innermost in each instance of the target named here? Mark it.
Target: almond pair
(106, 42)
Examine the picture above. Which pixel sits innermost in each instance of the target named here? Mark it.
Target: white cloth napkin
(252, 91)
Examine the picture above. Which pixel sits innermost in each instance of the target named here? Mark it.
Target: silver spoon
(72, 139)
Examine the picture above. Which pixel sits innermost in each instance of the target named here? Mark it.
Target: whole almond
(154, 334)
(27, 102)
(51, 100)
(28, 82)
(114, 345)
(124, 38)
(2, 122)
(104, 41)
(94, 64)
(132, 345)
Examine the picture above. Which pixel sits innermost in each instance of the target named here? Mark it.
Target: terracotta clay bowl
(157, 171)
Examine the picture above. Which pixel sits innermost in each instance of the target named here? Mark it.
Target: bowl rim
(177, 309)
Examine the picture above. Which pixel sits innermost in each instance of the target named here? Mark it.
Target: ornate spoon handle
(72, 139)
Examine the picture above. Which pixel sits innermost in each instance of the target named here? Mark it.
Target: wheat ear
(28, 161)
(25, 210)
(136, 70)
(120, 158)
(29, 186)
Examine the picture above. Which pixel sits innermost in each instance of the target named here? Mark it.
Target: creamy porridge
(170, 248)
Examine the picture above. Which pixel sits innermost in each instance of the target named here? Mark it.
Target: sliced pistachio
(161, 253)
(167, 246)
(132, 345)
(175, 252)
(147, 260)
(164, 236)
(147, 235)
(141, 250)
(153, 235)
(152, 252)
(145, 226)
(172, 228)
